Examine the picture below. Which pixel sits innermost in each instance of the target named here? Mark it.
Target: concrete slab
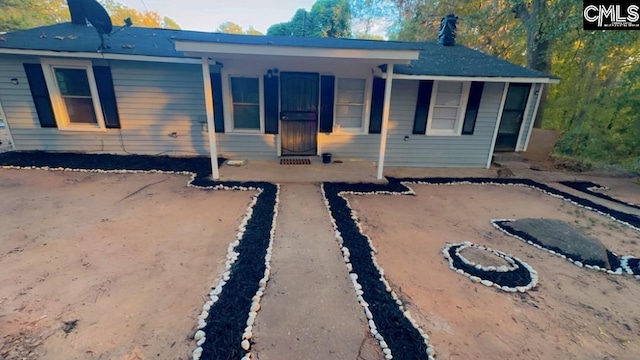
(309, 310)
(317, 172)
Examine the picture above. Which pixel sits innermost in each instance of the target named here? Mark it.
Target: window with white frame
(447, 107)
(245, 97)
(350, 104)
(74, 95)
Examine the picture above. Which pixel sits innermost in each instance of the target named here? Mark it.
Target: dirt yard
(107, 266)
(574, 313)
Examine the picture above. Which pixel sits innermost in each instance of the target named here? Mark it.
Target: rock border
(620, 264)
(224, 328)
(589, 187)
(505, 278)
(389, 321)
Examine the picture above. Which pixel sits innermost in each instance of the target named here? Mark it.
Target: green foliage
(229, 27)
(25, 14)
(327, 18)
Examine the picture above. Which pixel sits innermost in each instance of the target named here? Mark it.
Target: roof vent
(447, 31)
(77, 12)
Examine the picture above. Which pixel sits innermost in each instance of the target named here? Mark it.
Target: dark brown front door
(512, 116)
(299, 113)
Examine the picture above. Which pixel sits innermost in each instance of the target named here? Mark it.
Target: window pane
(348, 110)
(245, 90)
(246, 117)
(73, 82)
(351, 84)
(350, 122)
(350, 97)
(80, 110)
(443, 124)
(445, 113)
(448, 99)
(452, 87)
(350, 101)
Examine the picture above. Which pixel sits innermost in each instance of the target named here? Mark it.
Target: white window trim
(57, 102)
(228, 109)
(364, 130)
(466, 86)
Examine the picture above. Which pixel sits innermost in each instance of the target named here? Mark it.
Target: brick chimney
(77, 12)
(447, 32)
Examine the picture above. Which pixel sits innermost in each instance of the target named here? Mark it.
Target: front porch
(318, 172)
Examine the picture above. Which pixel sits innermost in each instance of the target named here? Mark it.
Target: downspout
(208, 101)
(385, 119)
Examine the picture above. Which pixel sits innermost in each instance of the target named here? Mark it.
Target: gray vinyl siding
(154, 100)
(439, 151)
(528, 117)
(351, 147)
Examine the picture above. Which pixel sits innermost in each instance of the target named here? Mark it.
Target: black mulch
(403, 339)
(228, 316)
(619, 215)
(585, 187)
(199, 165)
(634, 265)
(514, 278)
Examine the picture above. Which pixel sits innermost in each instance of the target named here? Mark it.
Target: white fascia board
(103, 56)
(501, 79)
(193, 48)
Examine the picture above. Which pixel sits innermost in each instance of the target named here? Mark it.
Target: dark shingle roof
(434, 59)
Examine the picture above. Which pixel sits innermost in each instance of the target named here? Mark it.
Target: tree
(327, 18)
(25, 14)
(253, 31)
(169, 23)
(331, 18)
(229, 27)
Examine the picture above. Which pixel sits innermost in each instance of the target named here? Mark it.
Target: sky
(206, 15)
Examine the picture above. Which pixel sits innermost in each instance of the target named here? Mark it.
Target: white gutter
(193, 48)
(104, 56)
(531, 80)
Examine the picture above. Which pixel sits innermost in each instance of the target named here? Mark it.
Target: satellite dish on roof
(99, 18)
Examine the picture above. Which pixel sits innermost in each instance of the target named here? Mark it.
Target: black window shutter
(271, 98)
(104, 83)
(216, 88)
(377, 105)
(327, 90)
(475, 94)
(40, 94)
(422, 107)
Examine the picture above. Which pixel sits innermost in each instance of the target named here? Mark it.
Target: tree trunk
(538, 45)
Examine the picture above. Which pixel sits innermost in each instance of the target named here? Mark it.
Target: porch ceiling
(226, 50)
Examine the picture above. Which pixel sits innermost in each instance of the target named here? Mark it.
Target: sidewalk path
(309, 310)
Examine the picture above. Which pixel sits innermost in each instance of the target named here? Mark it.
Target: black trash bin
(326, 158)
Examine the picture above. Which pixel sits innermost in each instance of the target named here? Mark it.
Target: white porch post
(385, 119)
(498, 121)
(208, 101)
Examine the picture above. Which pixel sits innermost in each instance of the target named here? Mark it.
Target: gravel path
(309, 310)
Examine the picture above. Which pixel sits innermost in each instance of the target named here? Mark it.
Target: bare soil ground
(574, 313)
(99, 266)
